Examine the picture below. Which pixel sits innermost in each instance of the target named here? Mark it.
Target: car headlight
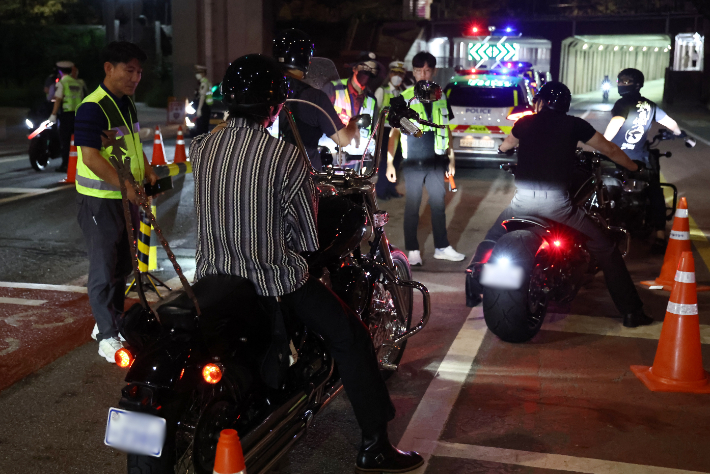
(189, 122)
(29, 124)
(190, 109)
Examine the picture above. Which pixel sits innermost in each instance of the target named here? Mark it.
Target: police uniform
(100, 209)
(71, 93)
(204, 88)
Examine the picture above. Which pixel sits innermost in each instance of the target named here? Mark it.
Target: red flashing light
(557, 243)
(474, 29)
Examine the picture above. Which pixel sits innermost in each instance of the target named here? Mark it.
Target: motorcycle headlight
(606, 87)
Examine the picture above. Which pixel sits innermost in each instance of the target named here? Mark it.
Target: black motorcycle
(44, 142)
(179, 396)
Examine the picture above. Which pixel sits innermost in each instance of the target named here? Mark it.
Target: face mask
(630, 89)
(396, 80)
(363, 77)
(198, 76)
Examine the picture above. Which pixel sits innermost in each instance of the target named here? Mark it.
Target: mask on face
(363, 77)
(198, 76)
(396, 80)
(630, 89)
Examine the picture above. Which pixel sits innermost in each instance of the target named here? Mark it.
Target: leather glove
(510, 152)
(52, 118)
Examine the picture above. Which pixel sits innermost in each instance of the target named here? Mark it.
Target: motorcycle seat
(526, 222)
(178, 313)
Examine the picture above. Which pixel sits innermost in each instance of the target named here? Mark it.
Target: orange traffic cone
(678, 243)
(678, 366)
(180, 155)
(71, 167)
(229, 458)
(158, 148)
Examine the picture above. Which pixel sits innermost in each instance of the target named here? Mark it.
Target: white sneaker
(95, 333)
(415, 258)
(448, 254)
(108, 348)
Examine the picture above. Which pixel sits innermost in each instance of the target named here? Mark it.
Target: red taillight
(515, 116)
(123, 358)
(557, 243)
(212, 373)
(474, 29)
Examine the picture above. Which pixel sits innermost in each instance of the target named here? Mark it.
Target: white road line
(26, 195)
(586, 114)
(41, 286)
(695, 135)
(14, 158)
(433, 410)
(175, 284)
(547, 461)
(24, 190)
(21, 301)
(608, 327)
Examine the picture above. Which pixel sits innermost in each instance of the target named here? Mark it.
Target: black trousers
(66, 129)
(104, 227)
(557, 206)
(384, 187)
(418, 174)
(349, 342)
(202, 124)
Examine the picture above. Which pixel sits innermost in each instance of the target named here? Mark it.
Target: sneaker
(95, 334)
(108, 348)
(415, 258)
(448, 254)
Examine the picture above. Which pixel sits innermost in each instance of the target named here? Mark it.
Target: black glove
(510, 152)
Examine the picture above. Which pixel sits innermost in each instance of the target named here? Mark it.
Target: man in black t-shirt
(632, 118)
(546, 156)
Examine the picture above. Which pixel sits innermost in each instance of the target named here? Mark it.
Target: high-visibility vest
(440, 116)
(387, 95)
(208, 96)
(86, 181)
(343, 107)
(73, 93)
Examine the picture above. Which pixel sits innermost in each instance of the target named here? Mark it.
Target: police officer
(632, 117)
(352, 97)
(68, 94)
(267, 252)
(546, 156)
(203, 98)
(393, 88)
(427, 160)
(105, 120)
(293, 49)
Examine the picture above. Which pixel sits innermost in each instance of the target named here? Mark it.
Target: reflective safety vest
(208, 97)
(87, 182)
(440, 116)
(343, 107)
(388, 95)
(73, 93)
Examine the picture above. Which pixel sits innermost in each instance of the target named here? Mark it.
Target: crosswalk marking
(42, 286)
(21, 301)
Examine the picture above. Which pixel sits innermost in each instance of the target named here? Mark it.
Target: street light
(631, 48)
(655, 50)
(601, 47)
(644, 48)
(616, 48)
(585, 46)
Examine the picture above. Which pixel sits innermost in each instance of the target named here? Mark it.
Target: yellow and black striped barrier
(147, 250)
(173, 169)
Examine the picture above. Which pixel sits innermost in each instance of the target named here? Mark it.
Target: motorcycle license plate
(504, 277)
(133, 432)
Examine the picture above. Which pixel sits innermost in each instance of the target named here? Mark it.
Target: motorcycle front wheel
(39, 152)
(517, 315)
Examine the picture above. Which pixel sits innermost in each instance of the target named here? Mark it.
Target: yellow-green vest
(343, 108)
(208, 96)
(440, 116)
(86, 181)
(73, 93)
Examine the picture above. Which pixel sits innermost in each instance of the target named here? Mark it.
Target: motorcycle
(606, 87)
(44, 139)
(179, 396)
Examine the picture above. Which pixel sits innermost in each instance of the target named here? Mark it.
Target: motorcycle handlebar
(430, 124)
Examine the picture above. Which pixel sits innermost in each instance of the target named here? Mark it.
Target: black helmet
(634, 74)
(555, 96)
(293, 49)
(253, 84)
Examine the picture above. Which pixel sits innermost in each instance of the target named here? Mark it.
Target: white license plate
(133, 432)
(504, 277)
(470, 142)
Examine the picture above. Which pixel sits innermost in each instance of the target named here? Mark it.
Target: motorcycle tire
(404, 272)
(39, 153)
(509, 314)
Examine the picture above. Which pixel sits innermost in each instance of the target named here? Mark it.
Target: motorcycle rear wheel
(516, 315)
(39, 153)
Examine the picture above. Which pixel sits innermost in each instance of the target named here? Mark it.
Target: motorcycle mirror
(364, 121)
(427, 91)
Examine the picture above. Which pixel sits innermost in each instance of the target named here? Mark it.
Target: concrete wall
(214, 33)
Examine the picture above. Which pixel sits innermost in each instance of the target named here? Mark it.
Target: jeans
(66, 129)
(556, 206)
(418, 174)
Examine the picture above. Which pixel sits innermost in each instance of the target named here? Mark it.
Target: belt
(541, 194)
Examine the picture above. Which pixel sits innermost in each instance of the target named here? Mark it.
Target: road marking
(433, 410)
(175, 283)
(547, 461)
(21, 301)
(695, 134)
(586, 114)
(600, 326)
(41, 286)
(26, 195)
(24, 190)
(12, 345)
(14, 158)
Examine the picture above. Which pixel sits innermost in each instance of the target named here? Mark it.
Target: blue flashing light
(509, 29)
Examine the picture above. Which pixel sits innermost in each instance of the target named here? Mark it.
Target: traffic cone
(678, 243)
(71, 167)
(158, 148)
(180, 155)
(678, 365)
(229, 458)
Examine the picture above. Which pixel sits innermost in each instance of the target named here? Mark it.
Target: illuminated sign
(489, 83)
(499, 52)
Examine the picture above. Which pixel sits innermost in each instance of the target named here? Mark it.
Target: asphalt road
(565, 402)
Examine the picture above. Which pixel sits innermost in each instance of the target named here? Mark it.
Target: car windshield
(476, 96)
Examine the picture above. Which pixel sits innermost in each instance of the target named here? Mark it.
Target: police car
(486, 104)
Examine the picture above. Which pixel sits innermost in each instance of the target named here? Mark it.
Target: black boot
(378, 455)
(636, 319)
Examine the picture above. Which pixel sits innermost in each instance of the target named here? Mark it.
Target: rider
(606, 85)
(293, 49)
(256, 212)
(546, 155)
(632, 117)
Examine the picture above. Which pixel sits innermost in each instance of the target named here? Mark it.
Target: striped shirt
(256, 207)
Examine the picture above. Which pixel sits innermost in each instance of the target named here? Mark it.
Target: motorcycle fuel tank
(342, 224)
